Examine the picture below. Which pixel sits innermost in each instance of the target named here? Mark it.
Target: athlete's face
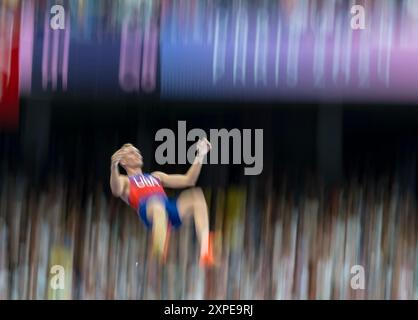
(132, 158)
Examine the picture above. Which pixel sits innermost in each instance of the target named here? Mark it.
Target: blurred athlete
(145, 193)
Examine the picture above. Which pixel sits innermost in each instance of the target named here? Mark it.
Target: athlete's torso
(142, 186)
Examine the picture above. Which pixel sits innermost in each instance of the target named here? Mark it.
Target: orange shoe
(208, 260)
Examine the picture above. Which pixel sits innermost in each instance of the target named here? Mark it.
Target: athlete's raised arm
(189, 179)
(119, 183)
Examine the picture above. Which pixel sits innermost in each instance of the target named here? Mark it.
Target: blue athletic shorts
(170, 207)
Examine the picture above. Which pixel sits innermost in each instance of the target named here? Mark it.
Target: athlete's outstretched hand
(203, 147)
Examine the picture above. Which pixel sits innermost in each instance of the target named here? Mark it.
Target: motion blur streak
(338, 185)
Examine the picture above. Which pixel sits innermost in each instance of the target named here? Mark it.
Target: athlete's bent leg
(156, 213)
(192, 203)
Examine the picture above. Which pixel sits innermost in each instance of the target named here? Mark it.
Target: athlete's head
(132, 158)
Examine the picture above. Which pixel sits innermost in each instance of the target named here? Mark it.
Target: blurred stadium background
(339, 112)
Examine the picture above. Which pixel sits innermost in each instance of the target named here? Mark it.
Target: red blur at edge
(9, 103)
